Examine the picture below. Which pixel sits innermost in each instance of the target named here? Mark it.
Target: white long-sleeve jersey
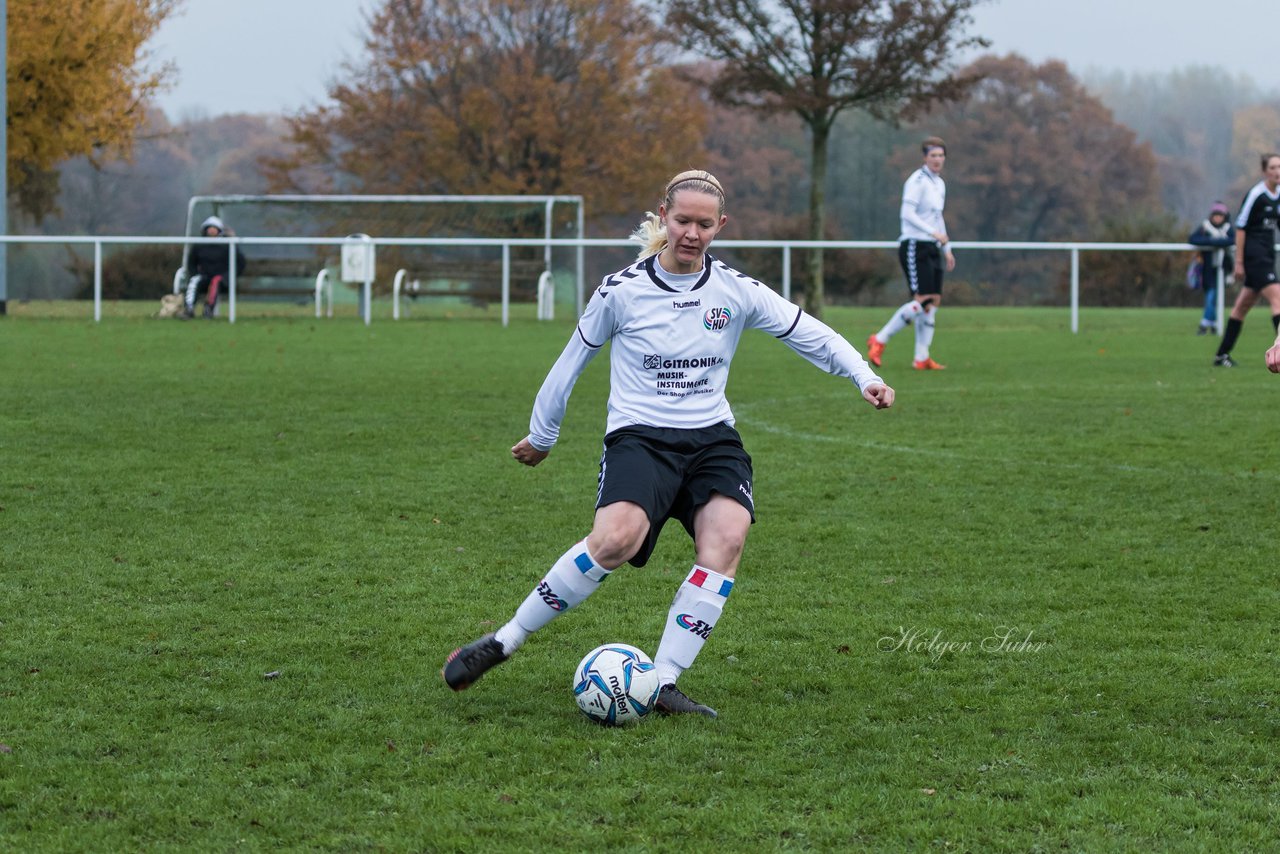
(673, 339)
(923, 196)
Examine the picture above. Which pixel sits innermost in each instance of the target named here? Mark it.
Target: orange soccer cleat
(928, 365)
(874, 350)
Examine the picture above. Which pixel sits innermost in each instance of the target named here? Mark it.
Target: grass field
(1033, 607)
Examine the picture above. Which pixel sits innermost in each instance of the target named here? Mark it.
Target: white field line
(752, 421)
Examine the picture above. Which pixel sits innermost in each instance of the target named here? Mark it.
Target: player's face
(1272, 172)
(934, 160)
(693, 221)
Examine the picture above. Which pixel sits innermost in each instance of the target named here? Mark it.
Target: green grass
(187, 509)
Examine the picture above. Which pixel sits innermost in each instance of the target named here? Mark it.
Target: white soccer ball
(615, 684)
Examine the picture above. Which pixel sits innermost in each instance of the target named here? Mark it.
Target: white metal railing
(396, 285)
(506, 245)
(546, 296)
(324, 286)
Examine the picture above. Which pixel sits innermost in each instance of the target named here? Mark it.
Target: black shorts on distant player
(922, 265)
(1259, 273)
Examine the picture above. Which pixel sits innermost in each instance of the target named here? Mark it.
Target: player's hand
(880, 396)
(1273, 358)
(525, 453)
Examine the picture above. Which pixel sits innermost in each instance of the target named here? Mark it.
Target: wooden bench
(479, 283)
(279, 277)
(295, 278)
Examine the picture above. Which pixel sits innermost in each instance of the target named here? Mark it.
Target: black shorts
(1259, 273)
(672, 472)
(921, 262)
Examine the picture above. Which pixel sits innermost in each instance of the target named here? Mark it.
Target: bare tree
(816, 58)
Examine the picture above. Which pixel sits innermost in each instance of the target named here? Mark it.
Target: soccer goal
(536, 274)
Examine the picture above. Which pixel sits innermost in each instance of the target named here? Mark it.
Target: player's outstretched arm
(525, 453)
(880, 396)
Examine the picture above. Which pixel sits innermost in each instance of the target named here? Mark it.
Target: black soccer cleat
(467, 664)
(672, 701)
(1224, 361)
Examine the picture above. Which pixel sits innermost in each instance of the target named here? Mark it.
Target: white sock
(924, 333)
(571, 579)
(192, 284)
(905, 314)
(693, 615)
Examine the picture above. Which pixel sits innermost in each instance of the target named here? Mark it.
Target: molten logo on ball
(615, 684)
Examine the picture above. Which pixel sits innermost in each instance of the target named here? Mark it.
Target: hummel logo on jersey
(548, 595)
(692, 624)
(652, 363)
(716, 319)
(693, 303)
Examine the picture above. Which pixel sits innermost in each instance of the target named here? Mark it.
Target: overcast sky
(276, 56)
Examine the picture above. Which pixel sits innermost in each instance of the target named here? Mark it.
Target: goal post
(412, 216)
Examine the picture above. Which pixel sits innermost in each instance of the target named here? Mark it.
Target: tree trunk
(815, 293)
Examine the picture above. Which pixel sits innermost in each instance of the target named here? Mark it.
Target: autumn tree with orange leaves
(502, 97)
(78, 84)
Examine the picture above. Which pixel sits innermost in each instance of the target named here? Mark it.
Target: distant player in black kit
(924, 250)
(1255, 256)
(673, 320)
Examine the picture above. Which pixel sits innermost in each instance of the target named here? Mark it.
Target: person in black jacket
(1218, 237)
(209, 264)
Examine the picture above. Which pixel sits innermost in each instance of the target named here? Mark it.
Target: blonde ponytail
(651, 234)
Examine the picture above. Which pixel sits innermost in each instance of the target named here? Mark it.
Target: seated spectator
(208, 264)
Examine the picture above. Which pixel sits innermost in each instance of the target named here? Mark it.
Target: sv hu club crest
(716, 319)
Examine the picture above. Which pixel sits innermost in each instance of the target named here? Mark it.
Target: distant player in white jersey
(924, 249)
(670, 449)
